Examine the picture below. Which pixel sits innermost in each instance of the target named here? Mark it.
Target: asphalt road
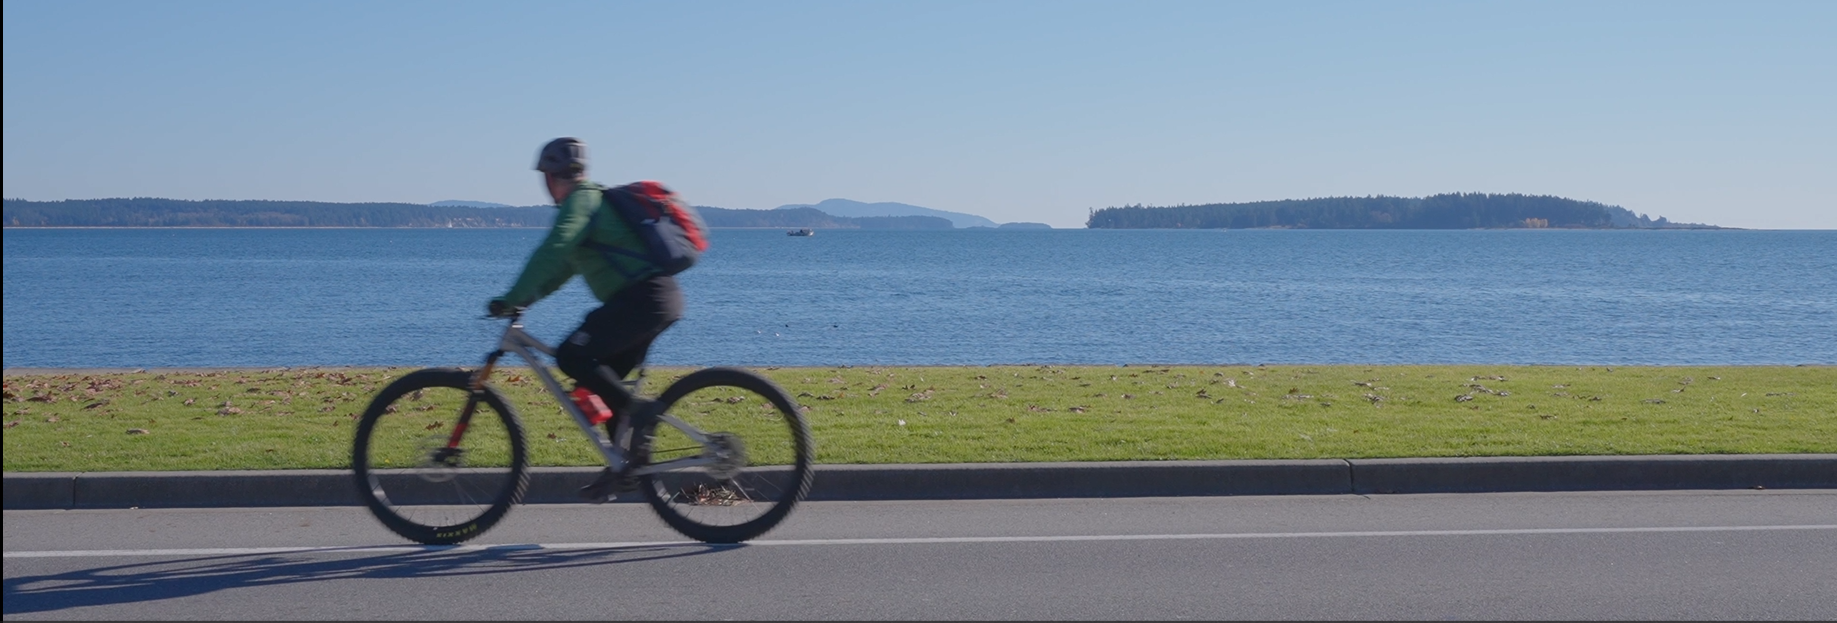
(1575, 555)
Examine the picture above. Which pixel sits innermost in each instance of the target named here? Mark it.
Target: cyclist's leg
(615, 338)
(611, 342)
(623, 362)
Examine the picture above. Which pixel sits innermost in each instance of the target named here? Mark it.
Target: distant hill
(154, 212)
(850, 208)
(1447, 211)
(813, 218)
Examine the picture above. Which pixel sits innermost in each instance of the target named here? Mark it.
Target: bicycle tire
(398, 466)
(703, 502)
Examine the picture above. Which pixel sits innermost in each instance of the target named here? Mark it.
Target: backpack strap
(609, 252)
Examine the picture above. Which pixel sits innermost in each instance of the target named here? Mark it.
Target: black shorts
(619, 333)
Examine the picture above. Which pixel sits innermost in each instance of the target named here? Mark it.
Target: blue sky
(1717, 112)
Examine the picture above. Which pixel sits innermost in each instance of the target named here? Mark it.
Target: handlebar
(510, 313)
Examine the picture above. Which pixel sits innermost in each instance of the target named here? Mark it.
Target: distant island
(812, 218)
(1446, 211)
(155, 212)
(855, 209)
(469, 204)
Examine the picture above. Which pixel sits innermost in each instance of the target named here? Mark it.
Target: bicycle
(437, 469)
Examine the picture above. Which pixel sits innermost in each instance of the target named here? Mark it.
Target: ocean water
(158, 298)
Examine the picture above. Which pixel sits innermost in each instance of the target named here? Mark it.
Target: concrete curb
(1595, 473)
(66, 490)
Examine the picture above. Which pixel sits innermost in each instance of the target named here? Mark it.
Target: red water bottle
(591, 405)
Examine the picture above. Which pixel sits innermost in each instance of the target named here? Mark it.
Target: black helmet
(563, 156)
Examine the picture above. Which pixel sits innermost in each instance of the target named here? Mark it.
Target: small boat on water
(801, 232)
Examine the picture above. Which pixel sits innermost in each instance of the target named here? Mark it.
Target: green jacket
(564, 254)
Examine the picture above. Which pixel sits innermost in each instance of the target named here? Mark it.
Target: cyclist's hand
(497, 308)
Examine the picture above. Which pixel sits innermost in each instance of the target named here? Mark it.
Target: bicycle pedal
(625, 484)
(598, 497)
(604, 489)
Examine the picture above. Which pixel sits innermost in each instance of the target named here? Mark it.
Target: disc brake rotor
(729, 456)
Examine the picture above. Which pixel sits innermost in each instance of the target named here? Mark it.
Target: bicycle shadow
(166, 579)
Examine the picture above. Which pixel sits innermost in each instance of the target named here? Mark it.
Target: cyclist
(637, 302)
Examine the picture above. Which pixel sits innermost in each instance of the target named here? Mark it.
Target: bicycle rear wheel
(760, 448)
(426, 478)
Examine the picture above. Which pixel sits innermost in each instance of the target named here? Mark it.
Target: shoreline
(48, 371)
(1278, 228)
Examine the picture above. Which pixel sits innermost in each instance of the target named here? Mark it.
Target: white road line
(391, 549)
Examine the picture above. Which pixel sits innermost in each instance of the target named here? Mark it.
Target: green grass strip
(302, 418)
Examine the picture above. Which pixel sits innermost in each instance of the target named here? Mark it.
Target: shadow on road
(165, 579)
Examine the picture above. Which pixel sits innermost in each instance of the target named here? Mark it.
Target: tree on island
(1445, 211)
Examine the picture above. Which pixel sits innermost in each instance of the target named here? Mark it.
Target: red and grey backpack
(673, 233)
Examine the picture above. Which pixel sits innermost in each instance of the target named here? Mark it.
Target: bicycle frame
(526, 346)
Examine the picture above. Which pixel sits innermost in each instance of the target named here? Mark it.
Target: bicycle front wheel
(436, 462)
(743, 450)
